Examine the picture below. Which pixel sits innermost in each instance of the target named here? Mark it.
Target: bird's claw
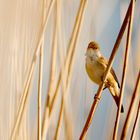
(102, 79)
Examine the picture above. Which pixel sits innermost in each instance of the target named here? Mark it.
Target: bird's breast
(94, 71)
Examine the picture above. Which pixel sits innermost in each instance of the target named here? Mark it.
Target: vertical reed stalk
(124, 69)
(59, 120)
(58, 14)
(134, 99)
(40, 75)
(22, 105)
(99, 92)
(23, 101)
(51, 79)
(135, 123)
(68, 125)
(40, 90)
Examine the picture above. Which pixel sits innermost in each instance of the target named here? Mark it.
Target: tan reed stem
(51, 79)
(59, 120)
(23, 103)
(68, 59)
(135, 97)
(40, 76)
(68, 124)
(58, 14)
(40, 91)
(136, 122)
(99, 92)
(124, 69)
(25, 93)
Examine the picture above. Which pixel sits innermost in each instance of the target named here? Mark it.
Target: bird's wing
(115, 77)
(104, 64)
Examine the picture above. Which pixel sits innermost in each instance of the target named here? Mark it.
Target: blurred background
(20, 29)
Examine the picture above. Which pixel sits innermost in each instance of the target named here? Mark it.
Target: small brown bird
(96, 65)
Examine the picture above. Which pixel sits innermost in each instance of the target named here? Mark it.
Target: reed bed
(58, 88)
(25, 93)
(66, 69)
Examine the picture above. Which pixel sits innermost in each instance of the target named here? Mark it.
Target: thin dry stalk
(40, 91)
(40, 77)
(134, 99)
(71, 48)
(124, 69)
(136, 122)
(25, 93)
(28, 90)
(100, 89)
(22, 104)
(51, 79)
(68, 124)
(58, 14)
(59, 120)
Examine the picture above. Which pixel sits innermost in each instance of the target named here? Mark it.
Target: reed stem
(51, 78)
(134, 99)
(136, 122)
(41, 75)
(40, 91)
(124, 68)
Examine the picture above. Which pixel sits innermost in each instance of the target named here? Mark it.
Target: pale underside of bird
(96, 65)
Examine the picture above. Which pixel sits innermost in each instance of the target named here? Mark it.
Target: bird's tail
(116, 97)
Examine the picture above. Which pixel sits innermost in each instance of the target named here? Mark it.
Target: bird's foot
(96, 97)
(104, 81)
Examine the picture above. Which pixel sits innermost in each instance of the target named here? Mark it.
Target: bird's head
(93, 50)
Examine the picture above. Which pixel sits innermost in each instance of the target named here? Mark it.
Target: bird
(96, 66)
